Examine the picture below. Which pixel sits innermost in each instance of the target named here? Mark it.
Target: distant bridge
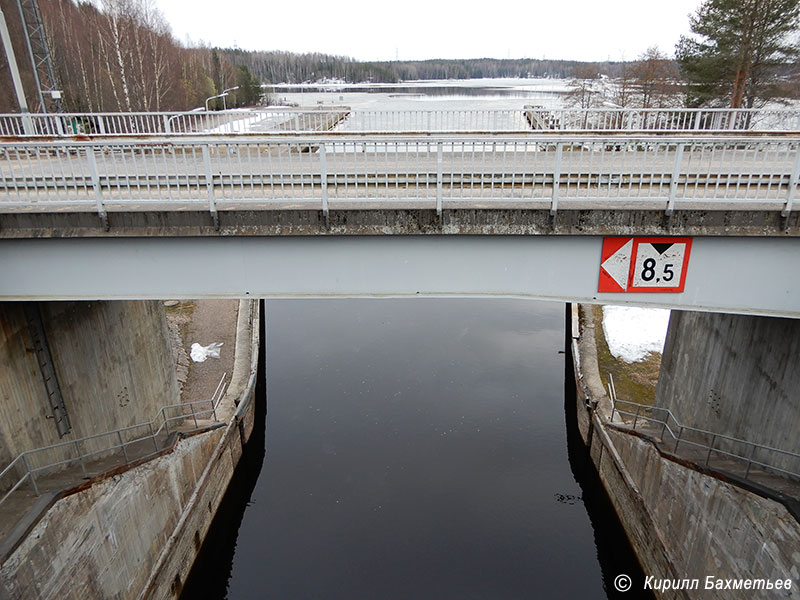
(346, 120)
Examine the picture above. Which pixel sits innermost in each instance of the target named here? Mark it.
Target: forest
(119, 55)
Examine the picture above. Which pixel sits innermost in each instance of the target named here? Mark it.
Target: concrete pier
(735, 375)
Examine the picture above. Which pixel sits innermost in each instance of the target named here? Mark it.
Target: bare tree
(582, 93)
(115, 49)
(160, 43)
(624, 88)
(655, 79)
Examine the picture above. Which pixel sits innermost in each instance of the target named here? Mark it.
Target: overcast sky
(419, 29)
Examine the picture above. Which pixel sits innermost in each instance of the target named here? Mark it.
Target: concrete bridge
(215, 199)
(558, 206)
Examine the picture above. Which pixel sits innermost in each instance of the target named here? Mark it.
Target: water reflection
(415, 449)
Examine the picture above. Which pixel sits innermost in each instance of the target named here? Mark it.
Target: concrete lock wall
(705, 526)
(113, 362)
(136, 533)
(735, 375)
(23, 398)
(682, 523)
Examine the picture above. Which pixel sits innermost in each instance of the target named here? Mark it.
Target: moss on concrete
(633, 381)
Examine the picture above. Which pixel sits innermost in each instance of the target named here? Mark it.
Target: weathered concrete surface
(735, 375)
(177, 556)
(682, 523)
(104, 541)
(23, 397)
(134, 535)
(524, 220)
(709, 526)
(113, 364)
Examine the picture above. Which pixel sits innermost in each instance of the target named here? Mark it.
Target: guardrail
(343, 119)
(121, 446)
(673, 435)
(632, 172)
(666, 119)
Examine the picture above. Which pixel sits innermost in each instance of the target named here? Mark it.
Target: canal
(414, 448)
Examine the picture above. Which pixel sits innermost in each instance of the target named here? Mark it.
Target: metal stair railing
(34, 463)
(674, 434)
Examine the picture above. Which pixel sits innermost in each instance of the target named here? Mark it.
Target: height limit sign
(644, 264)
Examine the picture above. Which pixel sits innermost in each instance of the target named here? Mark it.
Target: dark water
(414, 449)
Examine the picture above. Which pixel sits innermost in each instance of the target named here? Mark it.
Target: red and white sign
(644, 264)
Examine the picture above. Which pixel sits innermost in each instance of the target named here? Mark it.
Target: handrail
(630, 171)
(283, 120)
(81, 454)
(684, 431)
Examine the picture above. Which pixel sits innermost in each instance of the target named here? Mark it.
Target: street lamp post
(211, 98)
(225, 93)
(222, 95)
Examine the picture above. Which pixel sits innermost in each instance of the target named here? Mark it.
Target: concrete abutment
(136, 532)
(686, 522)
(736, 375)
(110, 362)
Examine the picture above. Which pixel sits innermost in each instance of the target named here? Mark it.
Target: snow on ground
(243, 122)
(632, 333)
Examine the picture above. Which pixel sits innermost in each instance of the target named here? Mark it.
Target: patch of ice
(632, 333)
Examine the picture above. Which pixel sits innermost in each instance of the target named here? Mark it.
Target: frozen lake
(477, 94)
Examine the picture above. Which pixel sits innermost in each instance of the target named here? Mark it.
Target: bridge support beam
(561, 268)
(734, 374)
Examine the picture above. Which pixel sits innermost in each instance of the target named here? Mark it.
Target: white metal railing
(628, 172)
(118, 447)
(666, 119)
(673, 435)
(344, 119)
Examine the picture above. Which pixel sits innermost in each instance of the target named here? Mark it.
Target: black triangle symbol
(661, 248)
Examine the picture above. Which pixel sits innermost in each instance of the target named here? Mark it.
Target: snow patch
(633, 333)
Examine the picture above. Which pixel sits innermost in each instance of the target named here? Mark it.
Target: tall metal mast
(46, 86)
(12, 64)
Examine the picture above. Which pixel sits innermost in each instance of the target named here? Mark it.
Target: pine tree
(740, 45)
(249, 92)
